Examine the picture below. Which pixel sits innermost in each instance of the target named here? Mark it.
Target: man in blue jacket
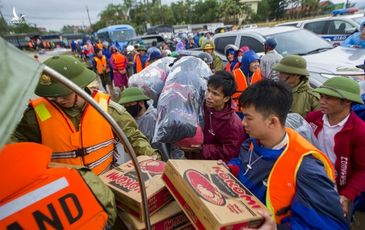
(287, 173)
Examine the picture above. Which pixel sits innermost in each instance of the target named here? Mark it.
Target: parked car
(147, 40)
(323, 60)
(333, 29)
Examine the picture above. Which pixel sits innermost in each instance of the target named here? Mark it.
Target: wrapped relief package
(179, 108)
(152, 78)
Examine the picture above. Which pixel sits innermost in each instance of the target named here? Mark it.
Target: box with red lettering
(211, 196)
(124, 183)
(169, 217)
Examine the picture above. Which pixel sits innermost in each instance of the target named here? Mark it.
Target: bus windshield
(122, 35)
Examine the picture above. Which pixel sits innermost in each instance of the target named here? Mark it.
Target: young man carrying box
(287, 173)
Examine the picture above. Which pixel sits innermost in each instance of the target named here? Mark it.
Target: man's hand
(268, 224)
(345, 203)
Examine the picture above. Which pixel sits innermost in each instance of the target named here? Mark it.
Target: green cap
(141, 47)
(69, 67)
(292, 64)
(132, 94)
(341, 87)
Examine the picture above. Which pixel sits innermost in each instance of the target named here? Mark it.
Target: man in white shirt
(270, 58)
(340, 133)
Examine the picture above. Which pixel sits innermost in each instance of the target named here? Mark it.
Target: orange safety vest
(100, 64)
(119, 60)
(138, 61)
(241, 83)
(281, 185)
(91, 146)
(228, 67)
(35, 196)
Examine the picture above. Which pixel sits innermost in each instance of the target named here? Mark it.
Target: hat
(341, 87)
(292, 64)
(156, 54)
(207, 58)
(132, 94)
(130, 48)
(141, 48)
(69, 67)
(243, 49)
(270, 42)
(208, 46)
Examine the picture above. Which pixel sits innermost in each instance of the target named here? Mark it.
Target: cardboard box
(124, 183)
(211, 196)
(169, 217)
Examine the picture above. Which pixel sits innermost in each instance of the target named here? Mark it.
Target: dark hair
(154, 43)
(225, 80)
(268, 97)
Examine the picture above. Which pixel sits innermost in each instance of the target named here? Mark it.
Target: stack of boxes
(183, 194)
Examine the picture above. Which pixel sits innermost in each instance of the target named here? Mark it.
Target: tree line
(139, 13)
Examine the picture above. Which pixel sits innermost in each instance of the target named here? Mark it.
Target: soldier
(76, 132)
(217, 62)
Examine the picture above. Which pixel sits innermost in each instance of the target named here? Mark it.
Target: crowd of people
(306, 183)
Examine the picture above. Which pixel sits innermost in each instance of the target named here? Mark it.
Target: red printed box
(169, 217)
(124, 183)
(211, 196)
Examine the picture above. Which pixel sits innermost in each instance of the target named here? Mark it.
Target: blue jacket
(316, 203)
(359, 109)
(248, 57)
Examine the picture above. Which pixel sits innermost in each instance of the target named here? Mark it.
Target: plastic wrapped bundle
(299, 124)
(179, 109)
(152, 78)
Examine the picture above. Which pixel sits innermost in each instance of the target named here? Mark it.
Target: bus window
(122, 35)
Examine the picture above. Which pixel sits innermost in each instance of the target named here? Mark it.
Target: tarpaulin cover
(19, 75)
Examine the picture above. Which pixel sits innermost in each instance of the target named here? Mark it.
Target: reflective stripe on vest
(281, 184)
(92, 145)
(119, 61)
(100, 64)
(241, 83)
(60, 199)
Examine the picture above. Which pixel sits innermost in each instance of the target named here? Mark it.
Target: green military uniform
(217, 63)
(28, 128)
(304, 99)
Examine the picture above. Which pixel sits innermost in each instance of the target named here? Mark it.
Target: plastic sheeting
(18, 79)
(152, 78)
(299, 124)
(179, 109)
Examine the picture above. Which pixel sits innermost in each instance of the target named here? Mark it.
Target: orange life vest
(100, 64)
(92, 145)
(242, 84)
(119, 60)
(228, 67)
(138, 62)
(281, 185)
(34, 196)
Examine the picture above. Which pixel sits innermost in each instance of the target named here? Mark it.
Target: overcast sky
(53, 14)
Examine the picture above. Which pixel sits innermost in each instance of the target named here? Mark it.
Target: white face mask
(239, 58)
